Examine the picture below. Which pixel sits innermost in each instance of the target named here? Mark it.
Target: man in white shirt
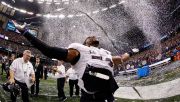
(72, 75)
(22, 73)
(59, 72)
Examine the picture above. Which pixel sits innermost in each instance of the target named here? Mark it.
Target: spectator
(38, 69)
(73, 81)
(59, 72)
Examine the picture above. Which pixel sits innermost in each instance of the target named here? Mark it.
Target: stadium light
(2, 2)
(70, 16)
(16, 8)
(79, 15)
(95, 11)
(30, 0)
(112, 6)
(47, 15)
(30, 13)
(104, 9)
(59, 9)
(61, 16)
(38, 15)
(40, 1)
(54, 59)
(121, 2)
(23, 11)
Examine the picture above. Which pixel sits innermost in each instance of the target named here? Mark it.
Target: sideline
(157, 91)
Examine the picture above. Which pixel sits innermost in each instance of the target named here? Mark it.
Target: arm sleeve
(51, 52)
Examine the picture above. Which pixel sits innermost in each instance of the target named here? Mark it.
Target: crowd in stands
(169, 48)
(16, 43)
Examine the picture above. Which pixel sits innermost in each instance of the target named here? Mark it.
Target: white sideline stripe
(157, 63)
(152, 65)
(162, 90)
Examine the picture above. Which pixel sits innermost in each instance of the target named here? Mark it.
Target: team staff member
(94, 65)
(22, 70)
(72, 75)
(59, 72)
(38, 68)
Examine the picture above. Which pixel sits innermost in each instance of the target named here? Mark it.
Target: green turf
(48, 87)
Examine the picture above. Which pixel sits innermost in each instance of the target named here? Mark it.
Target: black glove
(20, 29)
(15, 27)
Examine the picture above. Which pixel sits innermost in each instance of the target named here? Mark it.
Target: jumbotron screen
(11, 27)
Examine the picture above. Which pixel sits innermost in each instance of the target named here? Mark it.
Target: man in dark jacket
(38, 69)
